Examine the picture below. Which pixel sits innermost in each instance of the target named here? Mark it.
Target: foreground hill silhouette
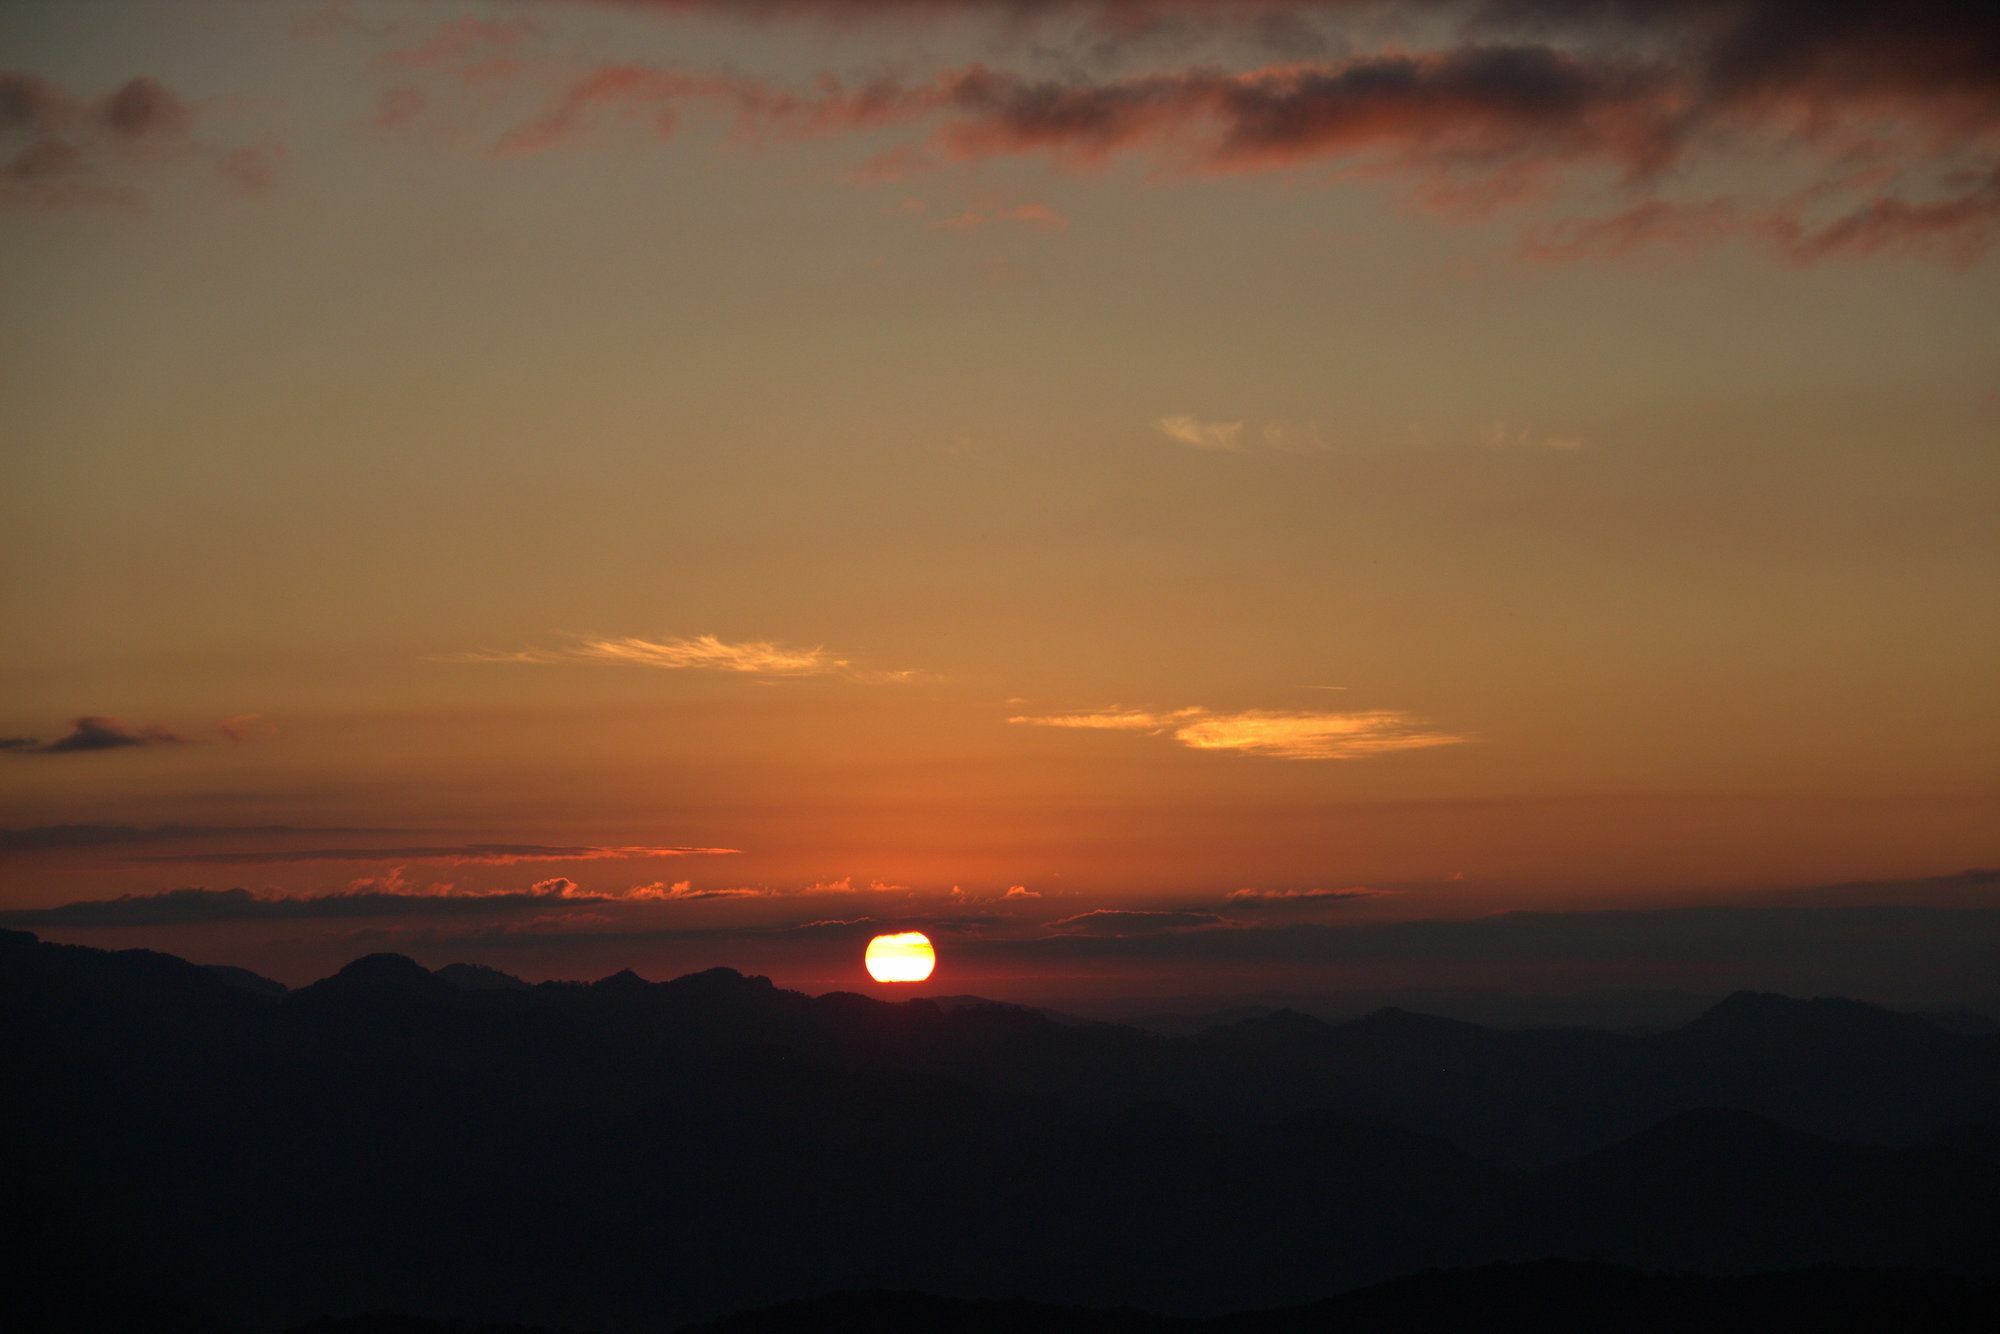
(632, 1155)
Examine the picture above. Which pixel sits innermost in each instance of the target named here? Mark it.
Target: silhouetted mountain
(1546, 1297)
(478, 977)
(377, 982)
(626, 1154)
(246, 980)
(1730, 1192)
(1568, 1297)
(1969, 1023)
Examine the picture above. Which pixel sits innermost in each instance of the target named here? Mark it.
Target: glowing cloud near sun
(904, 957)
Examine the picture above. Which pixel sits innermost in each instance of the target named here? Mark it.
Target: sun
(904, 957)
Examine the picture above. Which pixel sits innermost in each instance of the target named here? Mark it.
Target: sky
(1164, 495)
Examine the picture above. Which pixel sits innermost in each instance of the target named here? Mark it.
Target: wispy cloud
(1503, 436)
(1221, 437)
(463, 854)
(1032, 216)
(1264, 898)
(1282, 735)
(1278, 436)
(1132, 922)
(1113, 719)
(1312, 736)
(700, 653)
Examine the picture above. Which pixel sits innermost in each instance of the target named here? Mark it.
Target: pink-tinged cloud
(1957, 226)
(398, 108)
(1485, 107)
(254, 168)
(466, 39)
(1034, 217)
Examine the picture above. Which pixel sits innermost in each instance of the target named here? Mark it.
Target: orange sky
(985, 463)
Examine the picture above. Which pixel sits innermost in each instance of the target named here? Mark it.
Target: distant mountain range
(458, 1145)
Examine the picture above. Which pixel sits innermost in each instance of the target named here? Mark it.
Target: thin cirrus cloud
(1120, 922)
(1267, 732)
(1306, 437)
(1882, 118)
(700, 653)
(464, 854)
(1220, 437)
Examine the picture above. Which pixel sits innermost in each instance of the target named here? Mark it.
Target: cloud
(144, 108)
(1502, 436)
(398, 108)
(387, 897)
(246, 726)
(254, 168)
(1953, 223)
(846, 885)
(96, 732)
(1222, 437)
(464, 39)
(1264, 898)
(1034, 217)
(60, 149)
(1119, 922)
(1306, 437)
(701, 653)
(463, 854)
(1473, 106)
(1113, 719)
(39, 838)
(1312, 736)
(683, 891)
(1281, 735)
(1020, 892)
